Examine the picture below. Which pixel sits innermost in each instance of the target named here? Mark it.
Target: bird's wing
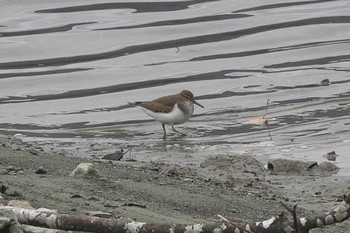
(162, 104)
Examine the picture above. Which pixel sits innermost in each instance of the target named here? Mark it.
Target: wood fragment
(233, 224)
(266, 108)
(294, 213)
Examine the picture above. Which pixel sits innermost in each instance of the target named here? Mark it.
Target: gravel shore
(161, 193)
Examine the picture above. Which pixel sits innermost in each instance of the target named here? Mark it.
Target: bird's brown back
(163, 104)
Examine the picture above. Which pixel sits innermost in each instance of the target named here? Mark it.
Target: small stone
(41, 171)
(10, 168)
(318, 193)
(111, 204)
(93, 198)
(77, 195)
(87, 203)
(12, 173)
(12, 193)
(33, 152)
(188, 180)
(3, 186)
(325, 82)
(207, 179)
(20, 173)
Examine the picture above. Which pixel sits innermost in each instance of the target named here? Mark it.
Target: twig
(294, 213)
(267, 106)
(233, 224)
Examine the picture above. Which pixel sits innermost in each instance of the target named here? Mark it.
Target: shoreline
(163, 193)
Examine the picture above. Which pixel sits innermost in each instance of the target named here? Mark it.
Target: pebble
(10, 168)
(77, 195)
(111, 204)
(93, 198)
(40, 170)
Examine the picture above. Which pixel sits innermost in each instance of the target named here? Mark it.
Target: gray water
(69, 68)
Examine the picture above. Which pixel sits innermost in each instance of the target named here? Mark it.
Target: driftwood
(277, 224)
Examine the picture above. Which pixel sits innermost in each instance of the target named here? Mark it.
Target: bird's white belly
(176, 116)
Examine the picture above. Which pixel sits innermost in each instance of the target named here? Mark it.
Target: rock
(93, 198)
(76, 195)
(3, 186)
(9, 222)
(4, 222)
(86, 170)
(111, 204)
(20, 204)
(328, 167)
(325, 82)
(41, 171)
(233, 164)
(12, 193)
(297, 167)
(10, 168)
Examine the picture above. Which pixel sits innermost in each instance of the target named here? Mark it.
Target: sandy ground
(235, 187)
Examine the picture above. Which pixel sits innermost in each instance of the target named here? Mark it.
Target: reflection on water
(68, 70)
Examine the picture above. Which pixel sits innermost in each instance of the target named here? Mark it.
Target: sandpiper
(171, 109)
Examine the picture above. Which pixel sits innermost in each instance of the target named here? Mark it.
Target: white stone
(267, 223)
(303, 221)
(134, 227)
(86, 170)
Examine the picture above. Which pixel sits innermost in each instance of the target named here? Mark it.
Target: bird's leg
(164, 136)
(175, 130)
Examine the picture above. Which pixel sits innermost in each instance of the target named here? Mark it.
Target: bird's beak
(195, 102)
